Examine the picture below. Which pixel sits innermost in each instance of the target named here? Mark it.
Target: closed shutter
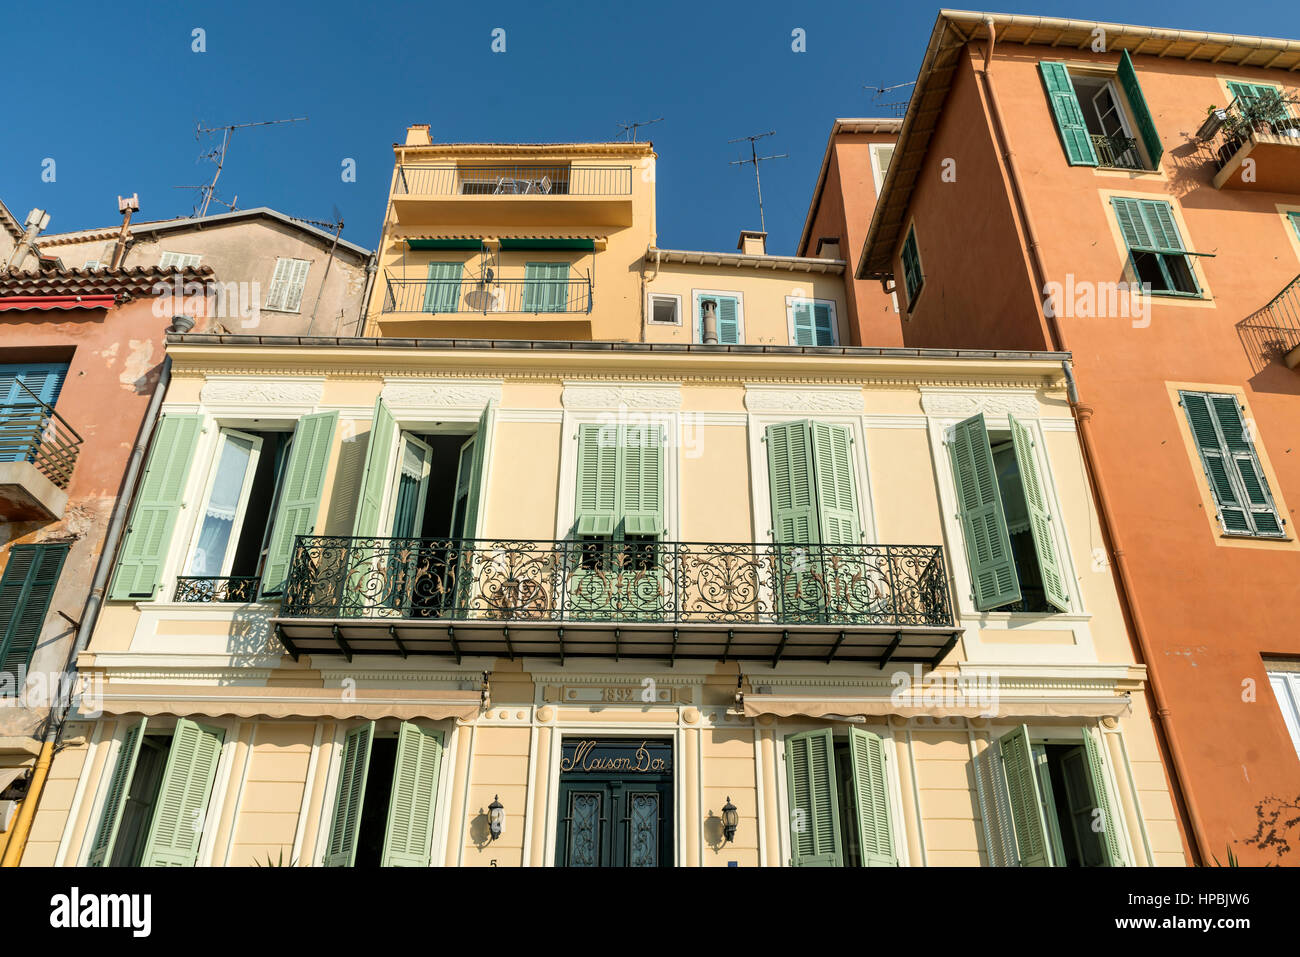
(824, 323)
(596, 512)
(790, 477)
(1247, 93)
(408, 839)
(354, 768)
(279, 283)
(442, 294)
(178, 819)
(837, 504)
(1141, 113)
(287, 284)
(814, 804)
(26, 589)
(477, 478)
(546, 287)
(1103, 811)
(643, 480)
(380, 453)
(1236, 478)
(158, 504)
(300, 496)
(868, 757)
(984, 523)
(1067, 113)
(804, 333)
(178, 260)
(119, 786)
(43, 382)
(912, 278)
(1025, 798)
(1040, 517)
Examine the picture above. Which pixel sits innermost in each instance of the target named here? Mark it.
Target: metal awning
(999, 706)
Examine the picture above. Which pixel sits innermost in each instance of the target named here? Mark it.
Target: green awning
(585, 244)
(444, 243)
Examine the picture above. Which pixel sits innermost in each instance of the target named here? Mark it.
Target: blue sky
(118, 91)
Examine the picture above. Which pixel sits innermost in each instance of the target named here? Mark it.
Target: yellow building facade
(582, 589)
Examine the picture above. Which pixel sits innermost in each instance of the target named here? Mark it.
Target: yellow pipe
(23, 825)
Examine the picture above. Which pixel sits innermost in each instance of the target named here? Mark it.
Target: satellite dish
(483, 300)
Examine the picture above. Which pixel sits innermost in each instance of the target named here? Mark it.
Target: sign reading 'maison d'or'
(583, 755)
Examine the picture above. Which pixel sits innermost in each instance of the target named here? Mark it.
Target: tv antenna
(629, 129)
(218, 155)
(755, 159)
(895, 107)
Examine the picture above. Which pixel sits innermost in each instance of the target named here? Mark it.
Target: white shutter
(297, 280)
(275, 297)
(287, 284)
(178, 260)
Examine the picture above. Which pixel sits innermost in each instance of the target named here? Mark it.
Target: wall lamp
(496, 817)
(730, 821)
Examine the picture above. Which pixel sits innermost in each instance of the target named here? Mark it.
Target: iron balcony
(460, 296)
(38, 454)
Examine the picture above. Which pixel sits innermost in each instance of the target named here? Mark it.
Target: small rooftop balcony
(1256, 144)
(38, 452)
(532, 195)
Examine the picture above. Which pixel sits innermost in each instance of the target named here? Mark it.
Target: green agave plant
(275, 863)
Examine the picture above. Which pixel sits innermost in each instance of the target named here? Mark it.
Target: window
(26, 588)
(31, 383)
(1058, 801)
(287, 283)
(546, 287)
(442, 294)
(838, 792)
(1267, 102)
(811, 322)
(881, 155)
(1155, 247)
(665, 310)
(92, 264)
(913, 279)
(1294, 217)
(1095, 126)
(387, 792)
(178, 260)
(157, 805)
(730, 315)
(1286, 688)
(1006, 521)
(1241, 493)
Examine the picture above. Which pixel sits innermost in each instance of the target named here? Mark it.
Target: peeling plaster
(138, 363)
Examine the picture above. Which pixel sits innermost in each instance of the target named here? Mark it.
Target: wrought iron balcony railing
(241, 589)
(1117, 152)
(1273, 332)
(1269, 114)
(33, 432)
(513, 181)
(537, 296)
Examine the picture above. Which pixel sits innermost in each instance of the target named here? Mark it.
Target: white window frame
(792, 301)
(394, 476)
(179, 260)
(224, 434)
(697, 326)
(877, 174)
(1286, 689)
(286, 286)
(650, 308)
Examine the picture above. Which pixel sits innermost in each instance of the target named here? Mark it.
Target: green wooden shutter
(815, 839)
(1040, 517)
(1141, 112)
(300, 495)
(804, 333)
(1025, 798)
(1132, 223)
(728, 320)
(119, 786)
(837, 503)
(1295, 222)
(26, 589)
(1110, 838)
(1232, 465)
(1248, 92)
(477, 478)
(1068, 115)
(984, 523)
(912, 278)
(643, 480)
(442, 294)
(596, 512)
(178, 819)
(790, 477)
(546, 287)
(868, 756)
(157, 505)
(381, 450)
(354, 768)
(823, 324)
(409, 837)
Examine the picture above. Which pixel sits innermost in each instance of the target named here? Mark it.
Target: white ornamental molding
(664, 397)
(803, 399)
(261, 392)
(441, 395)
(961, 405)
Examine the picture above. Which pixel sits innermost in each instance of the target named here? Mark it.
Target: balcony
(514, 195)
(1116, 152)
(201, 590)
(1263, 131)
(642, 599)
(1273, 333)
(488, 297)
(38, 452)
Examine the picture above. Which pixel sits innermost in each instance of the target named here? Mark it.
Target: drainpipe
(1165, 735)
(709, 323)
(89, 615)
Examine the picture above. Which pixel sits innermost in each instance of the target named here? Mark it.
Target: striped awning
(787, 706)
(280, 702)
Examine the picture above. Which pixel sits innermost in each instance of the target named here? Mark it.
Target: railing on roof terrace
(33, 432)
(1269, 113)
(513, 181)
(1274, 331)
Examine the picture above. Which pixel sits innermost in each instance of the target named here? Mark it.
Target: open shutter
(1025, 798)
(1068, 115)
(823, 324)
(300, 495)
(790, 476)
(596, 512)
(183, 796)
(381, 451)
(728, 320)
(409, 837)
(119, 786)
(804, 333)
(1295, 222)
(984, 523)
(25, 592)
(1040, 517)
(1132, 223)
(478, 472)
(837, 503)
(1110, 837)
(157, 506)
(342, 848)
(442, 294)
(643, 480)
(867, 755)
(814, 805)
(1141, 113)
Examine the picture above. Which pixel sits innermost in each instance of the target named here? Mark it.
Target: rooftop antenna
(755, 159)
(218, 155)
(629, 129)
(895, 107)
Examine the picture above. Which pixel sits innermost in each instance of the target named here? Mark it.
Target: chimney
(828, 247)
(709, 322)
(753, 242)
(126, 207)
(418, 135)
(34, 225)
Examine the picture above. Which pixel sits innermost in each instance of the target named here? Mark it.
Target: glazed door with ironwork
(615, 807)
